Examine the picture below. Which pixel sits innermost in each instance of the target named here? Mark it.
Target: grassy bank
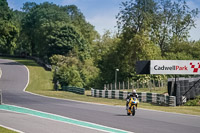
(41, 83)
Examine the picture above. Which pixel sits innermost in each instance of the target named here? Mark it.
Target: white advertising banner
(189, 67)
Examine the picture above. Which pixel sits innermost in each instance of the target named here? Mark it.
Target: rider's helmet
(134, 92)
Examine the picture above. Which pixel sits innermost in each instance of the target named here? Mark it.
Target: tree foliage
(147, 30)
(62, 28)
(70, 71)
(8, 31)
(163, 20)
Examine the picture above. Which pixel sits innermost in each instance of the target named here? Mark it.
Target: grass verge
(5, 130)
(41, 83)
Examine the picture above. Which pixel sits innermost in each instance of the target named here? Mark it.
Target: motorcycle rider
(133, 94)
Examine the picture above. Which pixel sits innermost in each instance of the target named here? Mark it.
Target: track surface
(14, 80)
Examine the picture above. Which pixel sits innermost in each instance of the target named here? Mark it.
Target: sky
(102, 13)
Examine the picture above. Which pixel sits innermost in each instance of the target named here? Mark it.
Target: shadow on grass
(28, 62)
(21, 61)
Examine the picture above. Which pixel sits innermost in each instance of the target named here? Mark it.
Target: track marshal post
(184, 88)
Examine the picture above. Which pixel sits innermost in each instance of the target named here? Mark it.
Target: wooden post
(143, 84)
(128, 84)
(154, 84)
(123, 85)
(150, 85)
(159, 83)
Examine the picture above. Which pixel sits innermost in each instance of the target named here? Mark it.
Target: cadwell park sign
(189, 67)
(185, 67)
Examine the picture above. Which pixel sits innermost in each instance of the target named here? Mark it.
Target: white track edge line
(11, 129)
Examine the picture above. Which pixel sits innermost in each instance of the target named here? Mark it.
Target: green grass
(41, 83)
(5, 130)
(40, 80)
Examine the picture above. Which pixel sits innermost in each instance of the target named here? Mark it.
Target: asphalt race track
(14, 79)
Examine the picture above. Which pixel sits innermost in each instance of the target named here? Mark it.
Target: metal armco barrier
(143, 96)
(75, 90)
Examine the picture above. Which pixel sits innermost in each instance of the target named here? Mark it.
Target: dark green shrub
(195, 102)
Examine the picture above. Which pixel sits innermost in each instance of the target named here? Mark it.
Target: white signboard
(189, 67)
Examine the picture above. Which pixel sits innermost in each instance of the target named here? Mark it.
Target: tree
(57, 30)
(136, 16)
(8, 31)
(64, 39)
(103, 45)
(176, 19)
(163, 20)
(140, 47)
(40, 20)
(78, 20)
(194, 50)
(5, 12)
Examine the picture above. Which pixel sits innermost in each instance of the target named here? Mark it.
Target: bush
(71, 71)
(195, 102)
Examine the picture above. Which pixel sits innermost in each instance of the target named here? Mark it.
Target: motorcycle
(132, 105)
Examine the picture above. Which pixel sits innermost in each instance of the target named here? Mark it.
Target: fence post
(128, 84)
(104, 86)
(92, 92)
(123, 85)
(103, 93)
(154, 84)
(150, 85)
(159, 83)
